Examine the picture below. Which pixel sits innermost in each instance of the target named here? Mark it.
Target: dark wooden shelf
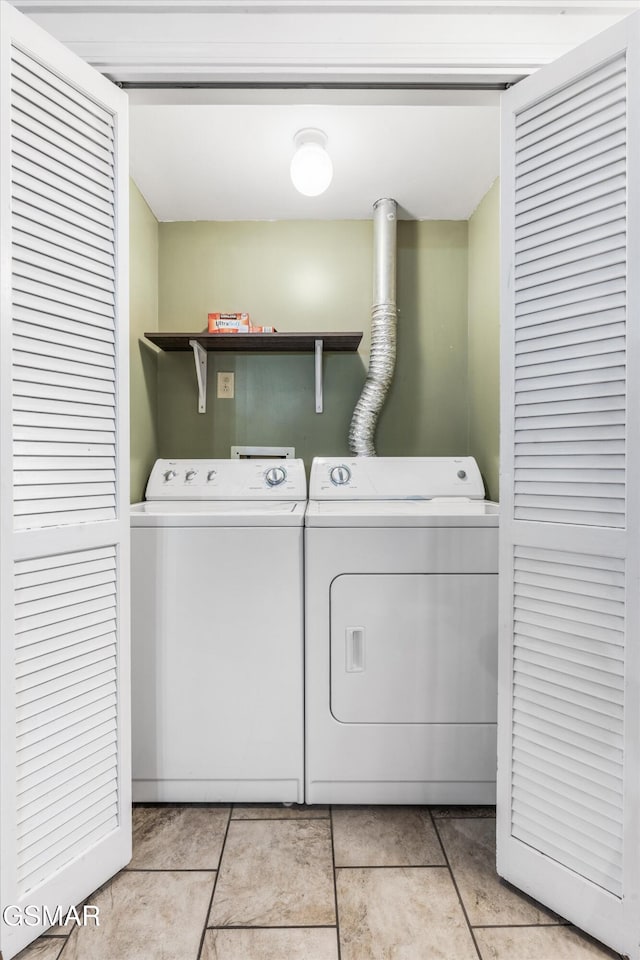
(263, 342)
(203, 343)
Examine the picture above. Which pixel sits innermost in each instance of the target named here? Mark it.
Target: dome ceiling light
(311, 166)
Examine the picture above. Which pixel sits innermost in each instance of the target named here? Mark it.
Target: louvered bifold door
(569, 721)
(64, 568)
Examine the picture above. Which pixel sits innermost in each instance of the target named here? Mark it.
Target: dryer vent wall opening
(383, 332)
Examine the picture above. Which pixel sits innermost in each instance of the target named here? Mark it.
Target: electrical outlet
(226, 385)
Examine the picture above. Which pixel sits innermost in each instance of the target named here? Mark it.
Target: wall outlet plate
(226, 386)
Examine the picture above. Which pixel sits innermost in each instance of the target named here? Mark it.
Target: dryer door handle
(354, 649)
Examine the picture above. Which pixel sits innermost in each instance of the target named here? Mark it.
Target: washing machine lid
(218, 513)
(395, 478)
(221, 479)
(443, 512)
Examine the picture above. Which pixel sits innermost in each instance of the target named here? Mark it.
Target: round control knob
(275, 476)
(169, 475)
(340, 475)
(190, 474)
(462, 474)
(211, 475)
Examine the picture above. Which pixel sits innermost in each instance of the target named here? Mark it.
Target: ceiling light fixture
(311, 166)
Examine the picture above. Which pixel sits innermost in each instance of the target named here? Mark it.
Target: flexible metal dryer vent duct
(383, 332)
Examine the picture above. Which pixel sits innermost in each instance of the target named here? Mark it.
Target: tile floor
(295, 883)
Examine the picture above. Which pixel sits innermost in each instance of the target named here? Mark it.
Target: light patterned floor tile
(62, 929)
(538, 943)
(470, 847)
(178, 838)
(385, 836)
(309, 943)
(44, 948)
(408, 913)
(277, 811)
(156, 915)
(275, 873)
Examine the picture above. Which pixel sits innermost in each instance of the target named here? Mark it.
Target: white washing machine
(217, 632)
(401, 560)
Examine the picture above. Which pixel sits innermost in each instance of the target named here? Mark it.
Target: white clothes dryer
(401, 560)
(217, 632)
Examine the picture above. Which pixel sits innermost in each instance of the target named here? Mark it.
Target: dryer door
(414, 648)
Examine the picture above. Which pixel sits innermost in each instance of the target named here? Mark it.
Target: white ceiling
(195, 158)
(231, 161)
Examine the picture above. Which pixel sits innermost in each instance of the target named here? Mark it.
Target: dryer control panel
(227, 480)
(395, 478)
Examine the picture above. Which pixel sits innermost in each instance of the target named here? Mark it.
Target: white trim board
(406, 42)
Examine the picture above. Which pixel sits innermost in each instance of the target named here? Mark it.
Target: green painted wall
(143, 311)
(484, 338)
(302, 275)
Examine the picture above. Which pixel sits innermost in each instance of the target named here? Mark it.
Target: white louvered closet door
(65, 817)
(569, 717)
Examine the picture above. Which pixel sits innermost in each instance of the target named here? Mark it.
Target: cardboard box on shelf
(229, 323)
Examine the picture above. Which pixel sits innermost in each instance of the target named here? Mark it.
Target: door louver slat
(67, 141)
(64, 811)
(37, 236)
(585, 307)
(33, 216)
(32, 324)
(599, 271)
(37, 180)
(602, 116)
(573, 207)
(55, 113)
(535, 695)
(64, 345)
(563, 101)
(40, 793)
(27, 172)
(61, 263)
(561, 259)
(32, 359)
(54, 277)
(80, 836)
(26, 301)
(53, 649)
(570, 305)
(613, 390)
(570, 405)
(568, 693)
(591, 171)
(607, 221)
(587, 586)
(568, 151)
(32, 142)
(59, 714)
(594, 860)
(570, 114)
(570, 326)
(57, 90)
(583, 159)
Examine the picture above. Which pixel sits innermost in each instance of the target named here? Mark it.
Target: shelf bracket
(200, 357)
(319, 344)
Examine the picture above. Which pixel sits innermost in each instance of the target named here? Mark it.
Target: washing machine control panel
(395, 478)
(227, 480)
